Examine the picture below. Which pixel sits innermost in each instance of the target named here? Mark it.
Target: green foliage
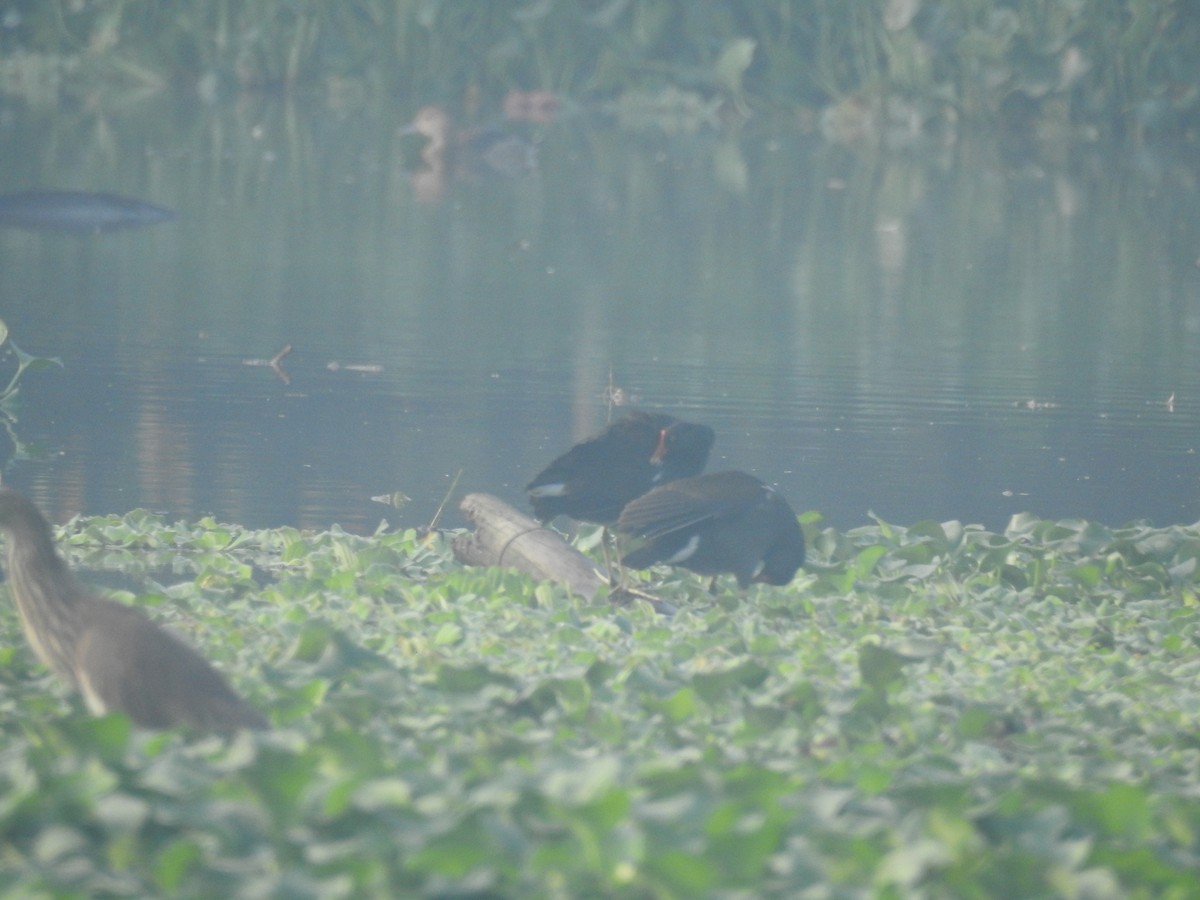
(24, 363)
(933, 710)
(8, 394)
(872, 65)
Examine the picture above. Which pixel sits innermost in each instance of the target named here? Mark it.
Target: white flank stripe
(685, 551)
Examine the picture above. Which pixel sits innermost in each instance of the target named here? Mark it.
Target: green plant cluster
(1126, 66)
(22, 363)
(15, 362)
(933, 711)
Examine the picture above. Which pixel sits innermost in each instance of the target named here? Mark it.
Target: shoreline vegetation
(932, 710)
(878, 72)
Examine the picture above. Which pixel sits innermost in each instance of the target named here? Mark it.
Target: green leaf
(582, 781)
(879, 667)
(1121, 810)
(683, 874)
(864, 563)
(455, 853)
(383, 793)
(34, 363)
(106, 736)
(744, 673)
(175, 862)
(469, 678)
(681, 705)
(283, 779)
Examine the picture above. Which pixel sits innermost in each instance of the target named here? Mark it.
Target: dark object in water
(78, 212)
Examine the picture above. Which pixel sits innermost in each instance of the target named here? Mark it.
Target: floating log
(505, 537)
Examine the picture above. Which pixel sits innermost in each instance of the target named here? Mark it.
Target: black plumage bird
(111, 653)
(595, 479)
(723, 522)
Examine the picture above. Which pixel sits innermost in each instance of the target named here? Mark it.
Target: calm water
(939, 334)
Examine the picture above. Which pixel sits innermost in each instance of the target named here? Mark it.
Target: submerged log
(505, 537)
(78, 212)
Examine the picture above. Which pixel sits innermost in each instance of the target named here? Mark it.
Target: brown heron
(116, 657)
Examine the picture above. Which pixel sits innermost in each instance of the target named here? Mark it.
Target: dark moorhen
(723, 522)
(594, 480)
(111, 653)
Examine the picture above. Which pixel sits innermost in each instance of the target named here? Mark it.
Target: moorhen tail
(594, 480)
(723, 522)
(111, 653)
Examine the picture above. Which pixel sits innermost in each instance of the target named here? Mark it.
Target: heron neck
(46, 594)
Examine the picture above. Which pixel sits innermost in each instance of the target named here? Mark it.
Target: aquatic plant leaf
(880, 667)
(957, 730)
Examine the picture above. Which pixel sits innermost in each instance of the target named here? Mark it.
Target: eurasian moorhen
(116, 657)
(594, 480)
(723, 522)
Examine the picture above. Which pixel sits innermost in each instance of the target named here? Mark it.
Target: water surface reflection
(928, 336)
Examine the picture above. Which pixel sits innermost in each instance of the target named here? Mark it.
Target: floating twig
(1169, 403)
(273, 363)
(370, 368)
(277, 368)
